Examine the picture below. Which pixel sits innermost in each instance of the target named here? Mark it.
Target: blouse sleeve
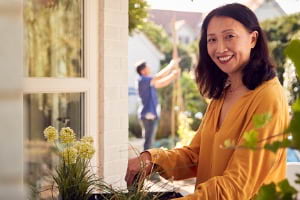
(247, 170)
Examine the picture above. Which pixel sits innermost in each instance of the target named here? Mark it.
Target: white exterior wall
(11, 58)
(268, 10)
(113, 118)
(140, 48)
(186, 32)
(113, 86)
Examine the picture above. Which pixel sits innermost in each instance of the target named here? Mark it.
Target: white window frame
(87, 84)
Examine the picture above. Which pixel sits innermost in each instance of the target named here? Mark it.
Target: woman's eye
(210, 40)
(229, 36)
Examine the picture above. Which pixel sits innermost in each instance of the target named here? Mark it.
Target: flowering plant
(73, 176)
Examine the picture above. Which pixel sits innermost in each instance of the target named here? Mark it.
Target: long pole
(174, 106)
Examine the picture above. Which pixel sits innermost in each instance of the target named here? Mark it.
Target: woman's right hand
(135, 165)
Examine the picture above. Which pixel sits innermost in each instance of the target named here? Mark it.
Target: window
(60, 79)
(53, 34)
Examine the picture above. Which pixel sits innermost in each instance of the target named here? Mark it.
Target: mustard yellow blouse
(231, 174)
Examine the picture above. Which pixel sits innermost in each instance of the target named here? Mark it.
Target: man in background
(149, 110)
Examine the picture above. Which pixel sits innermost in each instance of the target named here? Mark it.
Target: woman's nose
(221, 47)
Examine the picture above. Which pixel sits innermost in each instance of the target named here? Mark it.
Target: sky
(202, 6)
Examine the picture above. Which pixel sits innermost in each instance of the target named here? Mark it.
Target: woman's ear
(254, 36)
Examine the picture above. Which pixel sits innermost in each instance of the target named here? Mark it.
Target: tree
(138, 14)
(158, 36)
(279, 32)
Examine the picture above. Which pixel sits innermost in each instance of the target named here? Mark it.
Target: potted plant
(72, 177)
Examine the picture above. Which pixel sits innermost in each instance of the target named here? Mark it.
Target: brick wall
(11, 59)
(113, 90)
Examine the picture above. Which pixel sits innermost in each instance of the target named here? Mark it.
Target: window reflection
(40, 111)
(53, 38)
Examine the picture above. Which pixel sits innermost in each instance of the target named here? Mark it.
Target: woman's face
(229, 44)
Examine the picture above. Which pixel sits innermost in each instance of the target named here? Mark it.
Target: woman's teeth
(225, 58)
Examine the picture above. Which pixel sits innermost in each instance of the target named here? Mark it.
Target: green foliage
(139, 190)
(75, 181)
(192, 100)
(161, 39)
(250, 139)
(185, 132)
(187, 85)
(279, 32)
(261, 120)
(183, 53)
(287, 190)
(137, 13)
(294, 129)
(158, 36)
(292, 51)
(298, 179)
(283, 191)
(267, 192)
(296, 106)
(73, 176)
(277, 145)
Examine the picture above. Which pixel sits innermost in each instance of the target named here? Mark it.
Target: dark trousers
(149, 128)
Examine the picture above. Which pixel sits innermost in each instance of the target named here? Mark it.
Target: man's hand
(176, 72)
(175, 63)
(136, 165)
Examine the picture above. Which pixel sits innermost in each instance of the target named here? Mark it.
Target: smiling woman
(235, 71)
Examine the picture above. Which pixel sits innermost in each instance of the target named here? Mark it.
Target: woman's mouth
(224, 59)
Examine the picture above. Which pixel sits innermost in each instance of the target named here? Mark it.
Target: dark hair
(210, 79)
(140, 66)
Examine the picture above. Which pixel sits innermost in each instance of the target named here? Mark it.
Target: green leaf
(286, 188)
(267, 192)
(294, 128)
(278, 144)
(298, 179)
(292, 51)
(229, 143)
(261, 119)
(250, 139)
(296, 105)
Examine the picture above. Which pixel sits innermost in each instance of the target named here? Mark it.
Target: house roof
(276, 8)
(143, 39)
(165, 17)
(289, 6)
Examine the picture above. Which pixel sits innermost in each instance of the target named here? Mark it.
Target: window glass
(53, 38)
(40, 111)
